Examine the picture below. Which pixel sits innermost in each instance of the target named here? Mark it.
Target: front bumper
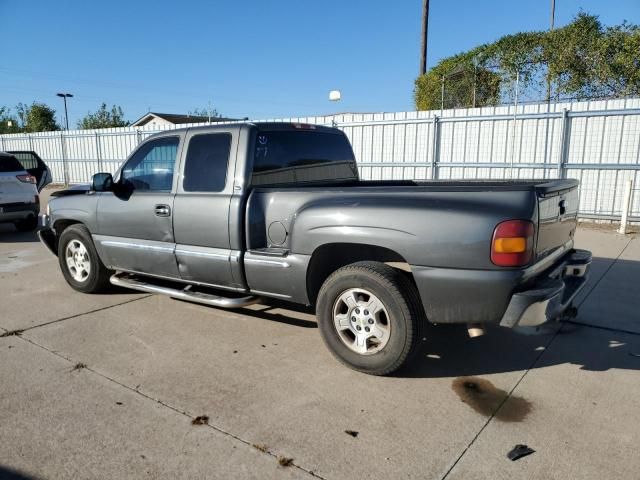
(550, 295)
(46, 234)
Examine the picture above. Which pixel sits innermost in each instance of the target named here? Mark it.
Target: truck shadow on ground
(9, 234)
(449, 352)
(7, 473)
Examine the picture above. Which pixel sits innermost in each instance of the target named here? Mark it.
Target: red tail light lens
(26, 178)
(512, 244)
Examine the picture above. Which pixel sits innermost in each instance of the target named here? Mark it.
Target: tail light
(27, 178)
(512, 244)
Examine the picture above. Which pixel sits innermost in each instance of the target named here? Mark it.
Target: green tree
(204, 112)
(8, 121)
(582, 60)
(104, 118)
(463, 77)
(37, 117)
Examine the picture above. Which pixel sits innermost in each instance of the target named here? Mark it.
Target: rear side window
(27, 159)
(207, 161)
(151, 167)
(9, 163)
(298, 156)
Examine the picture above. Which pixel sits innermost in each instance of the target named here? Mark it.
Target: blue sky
(255, 58)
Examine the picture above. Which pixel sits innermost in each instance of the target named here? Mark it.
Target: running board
(126, 281)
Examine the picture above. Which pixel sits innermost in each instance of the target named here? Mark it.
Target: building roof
(178, 118)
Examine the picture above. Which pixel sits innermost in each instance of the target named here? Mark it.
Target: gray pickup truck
(233, 214)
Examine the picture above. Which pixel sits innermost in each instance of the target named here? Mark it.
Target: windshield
(295, 156)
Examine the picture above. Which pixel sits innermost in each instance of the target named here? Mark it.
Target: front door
(135, 221)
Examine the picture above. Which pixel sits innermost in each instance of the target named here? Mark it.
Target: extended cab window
(301, 156)
(151, 167)
(205, 169)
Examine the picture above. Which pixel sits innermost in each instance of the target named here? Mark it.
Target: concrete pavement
(147, 365)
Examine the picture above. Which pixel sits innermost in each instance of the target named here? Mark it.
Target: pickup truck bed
(278, 210)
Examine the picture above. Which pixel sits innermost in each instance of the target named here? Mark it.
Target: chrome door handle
(162, 210)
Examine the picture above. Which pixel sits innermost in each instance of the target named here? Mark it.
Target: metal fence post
(98, 152)
(138, 136)
(435, 151)
(565, 137)
(626, 207)
(65, 171)
(2, 143)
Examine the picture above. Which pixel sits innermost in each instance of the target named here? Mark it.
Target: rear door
(201, 209)
(34, 165)
(135, 230)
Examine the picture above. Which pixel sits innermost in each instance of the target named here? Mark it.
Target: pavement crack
(601, 327)
(86, 313)
(507, 397)
(161, 402)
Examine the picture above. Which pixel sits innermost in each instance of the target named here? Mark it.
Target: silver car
(19, 201)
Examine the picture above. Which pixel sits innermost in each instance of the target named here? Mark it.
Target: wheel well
(60, 226)
(328, 258)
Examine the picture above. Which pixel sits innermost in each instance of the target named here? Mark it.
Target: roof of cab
(259, 125)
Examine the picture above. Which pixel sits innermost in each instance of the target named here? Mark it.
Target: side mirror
(102, 182)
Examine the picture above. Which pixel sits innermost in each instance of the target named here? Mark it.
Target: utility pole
(551, 26)
(66, 115)
(425, 27)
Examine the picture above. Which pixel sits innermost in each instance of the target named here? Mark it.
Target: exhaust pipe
(475, 330)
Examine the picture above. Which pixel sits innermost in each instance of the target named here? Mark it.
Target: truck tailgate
(557, 214)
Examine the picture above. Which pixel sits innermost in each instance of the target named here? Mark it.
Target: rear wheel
(370, 317)
(79, 261)
(28, 224)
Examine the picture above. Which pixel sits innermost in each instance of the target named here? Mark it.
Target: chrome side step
(127, 281)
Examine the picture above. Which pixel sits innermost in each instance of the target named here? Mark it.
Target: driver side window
(151, 167)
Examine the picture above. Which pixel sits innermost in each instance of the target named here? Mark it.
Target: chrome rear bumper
(551, 295)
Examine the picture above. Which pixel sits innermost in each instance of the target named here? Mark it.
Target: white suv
(19, 201)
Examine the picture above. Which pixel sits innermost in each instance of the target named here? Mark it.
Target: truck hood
(79, 189)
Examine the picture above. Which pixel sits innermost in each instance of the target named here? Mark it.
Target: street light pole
(66, 115)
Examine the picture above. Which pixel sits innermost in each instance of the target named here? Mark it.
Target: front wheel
(80, 264)
(370, 317)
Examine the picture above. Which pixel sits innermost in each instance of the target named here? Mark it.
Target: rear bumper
(13, 212)
(506, 297)
(551, 295)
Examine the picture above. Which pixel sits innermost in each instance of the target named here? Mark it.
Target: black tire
(28, 224)
(97, 279)
(401, 301)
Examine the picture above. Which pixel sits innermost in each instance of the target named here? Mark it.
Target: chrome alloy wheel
(362, 321)
(78, 261)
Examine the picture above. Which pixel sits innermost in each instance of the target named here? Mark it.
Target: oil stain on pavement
(486, 399)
